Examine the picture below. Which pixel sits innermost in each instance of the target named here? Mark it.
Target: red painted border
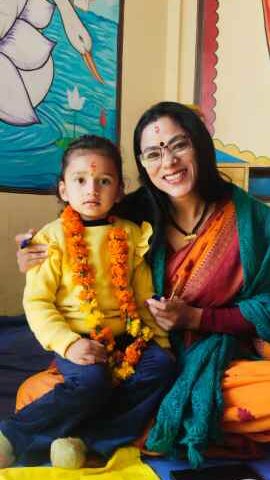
(266, 13)
(208, 59)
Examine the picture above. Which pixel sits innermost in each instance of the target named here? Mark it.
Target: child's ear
(62, 191)
(121, 194)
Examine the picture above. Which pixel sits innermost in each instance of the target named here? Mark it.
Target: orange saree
(208, 273)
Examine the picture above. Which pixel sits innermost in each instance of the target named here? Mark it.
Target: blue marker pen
(24, 243)
(156, 297)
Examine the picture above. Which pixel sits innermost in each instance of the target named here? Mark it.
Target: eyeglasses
(177, 147)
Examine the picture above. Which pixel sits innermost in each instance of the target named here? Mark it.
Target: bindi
(93, 167)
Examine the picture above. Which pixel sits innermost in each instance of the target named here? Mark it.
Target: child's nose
(92, 185)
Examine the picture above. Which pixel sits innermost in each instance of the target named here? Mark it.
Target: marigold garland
(121, 363)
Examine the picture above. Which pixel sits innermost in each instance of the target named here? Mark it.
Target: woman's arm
(33, 254)
(226, 320)
(177, 314)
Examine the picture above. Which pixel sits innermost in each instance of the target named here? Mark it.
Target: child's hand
(86, 352)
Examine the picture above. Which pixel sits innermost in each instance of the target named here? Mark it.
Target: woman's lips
(174, 178)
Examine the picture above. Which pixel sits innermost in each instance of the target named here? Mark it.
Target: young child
(86, 303)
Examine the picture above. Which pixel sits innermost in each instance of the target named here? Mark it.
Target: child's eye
(103, 182)
(80, 180)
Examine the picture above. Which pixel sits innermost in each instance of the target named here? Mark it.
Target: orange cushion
(263, 348)
(37, 385)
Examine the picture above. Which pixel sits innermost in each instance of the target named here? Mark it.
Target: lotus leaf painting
(59, 77)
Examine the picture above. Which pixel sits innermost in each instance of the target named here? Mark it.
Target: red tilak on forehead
(92, 168)
(156, 128)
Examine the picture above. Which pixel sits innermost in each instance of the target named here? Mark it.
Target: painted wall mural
(232, 90)
(59, 78)
(266, 12)
(207, 55)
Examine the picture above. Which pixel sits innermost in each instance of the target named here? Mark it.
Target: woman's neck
(188, 207)
(186, 218)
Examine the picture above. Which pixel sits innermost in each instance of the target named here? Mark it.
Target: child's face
(91, 184)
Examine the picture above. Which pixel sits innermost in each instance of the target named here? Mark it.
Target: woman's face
(169, 158)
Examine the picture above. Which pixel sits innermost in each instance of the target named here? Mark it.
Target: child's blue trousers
(87, 406)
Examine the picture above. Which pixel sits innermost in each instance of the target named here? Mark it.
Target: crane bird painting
(59, 76)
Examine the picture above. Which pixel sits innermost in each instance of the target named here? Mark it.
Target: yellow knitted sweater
(51, 300)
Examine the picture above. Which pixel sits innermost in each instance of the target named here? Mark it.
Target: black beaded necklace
(193, 234)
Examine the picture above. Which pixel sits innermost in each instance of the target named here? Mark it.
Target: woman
(210, 258)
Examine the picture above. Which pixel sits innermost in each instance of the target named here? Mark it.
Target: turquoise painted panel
(223, 157)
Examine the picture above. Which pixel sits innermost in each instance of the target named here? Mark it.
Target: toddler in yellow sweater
(86, 303)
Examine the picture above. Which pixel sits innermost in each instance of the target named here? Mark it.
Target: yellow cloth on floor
(125, 464)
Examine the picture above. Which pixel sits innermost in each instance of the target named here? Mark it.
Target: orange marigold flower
(132, 355)
(87, 294)
(80, 268)
(117, 233)
(124, 296)
(104, 336)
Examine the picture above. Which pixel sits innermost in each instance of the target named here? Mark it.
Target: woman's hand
(29, 256)
(86, 352)
(175, 313)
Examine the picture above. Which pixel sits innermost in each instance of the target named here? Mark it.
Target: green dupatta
(190, 413)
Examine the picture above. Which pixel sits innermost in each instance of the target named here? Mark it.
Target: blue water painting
(30, 155)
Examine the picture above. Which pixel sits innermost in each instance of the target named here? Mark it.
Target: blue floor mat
(21, 356)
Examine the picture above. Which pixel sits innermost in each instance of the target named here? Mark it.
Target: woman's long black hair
(210, 185)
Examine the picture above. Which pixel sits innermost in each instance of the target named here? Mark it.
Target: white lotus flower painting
(59, 68)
